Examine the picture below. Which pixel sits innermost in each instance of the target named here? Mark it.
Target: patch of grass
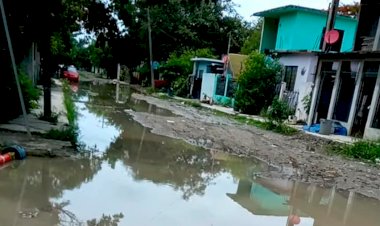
(151, 90)
(72, 132)
(67, 134)
(69, 104)
(193, 104)
(363, 150)
(52, 119)
(266, 125)
(163, 97)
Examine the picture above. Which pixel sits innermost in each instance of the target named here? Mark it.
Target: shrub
(9, 92)
(257, 83)
(278, 111)
(180, 65)
(181, 87)
(30, 92)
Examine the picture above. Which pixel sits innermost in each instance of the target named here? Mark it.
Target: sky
(248, 7)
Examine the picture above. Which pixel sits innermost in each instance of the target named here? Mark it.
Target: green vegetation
(279, 111)
(280, 128)
(66, 134)
(179, 66)
(306, 102)
(150, 90)
(193, 104)
(29, 91)
(363, 150)
(11, 101)
(71, 132)
(69, 104)
(52, 119)
(252, 43)
(257, 84)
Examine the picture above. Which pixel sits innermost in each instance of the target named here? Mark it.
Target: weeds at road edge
(70, 133)
(52, 119)
(362, 150)
(193, 104)
(280, 128)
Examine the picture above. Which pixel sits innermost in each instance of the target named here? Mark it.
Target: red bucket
(6, 158)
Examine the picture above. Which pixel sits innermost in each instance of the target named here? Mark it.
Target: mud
(301, 157)
(39, 147)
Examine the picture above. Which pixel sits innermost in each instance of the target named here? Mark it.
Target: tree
(352, 9)
(180, 25)
(257, 83)
(178, 67)
(252, 43)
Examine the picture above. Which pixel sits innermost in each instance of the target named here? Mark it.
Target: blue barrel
(18, 150)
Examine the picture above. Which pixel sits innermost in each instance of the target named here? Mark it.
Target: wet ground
(136, 177)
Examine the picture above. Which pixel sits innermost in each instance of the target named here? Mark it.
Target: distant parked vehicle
(71, 73)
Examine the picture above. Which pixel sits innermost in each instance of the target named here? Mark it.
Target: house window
(290, 76)
(215, 69)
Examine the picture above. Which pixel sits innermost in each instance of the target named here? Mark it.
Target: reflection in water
(141, 178)
(268, 197)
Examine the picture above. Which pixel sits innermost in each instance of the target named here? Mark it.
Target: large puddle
(139, 178)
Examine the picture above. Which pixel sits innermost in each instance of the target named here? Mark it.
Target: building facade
(294, 35)
(347, 86)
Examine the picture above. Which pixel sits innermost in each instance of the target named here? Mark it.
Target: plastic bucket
(18, 150)
(326, 126)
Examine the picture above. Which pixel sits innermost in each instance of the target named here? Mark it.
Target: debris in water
(29, 213)
(170, 121)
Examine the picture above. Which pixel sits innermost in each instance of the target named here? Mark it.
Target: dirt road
(301, 157)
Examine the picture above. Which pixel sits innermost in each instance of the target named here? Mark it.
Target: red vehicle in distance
(71, 73)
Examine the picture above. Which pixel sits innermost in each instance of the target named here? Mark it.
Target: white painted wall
(304, 83)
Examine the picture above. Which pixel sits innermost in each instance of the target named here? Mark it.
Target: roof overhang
(277, 12)
(196, 59)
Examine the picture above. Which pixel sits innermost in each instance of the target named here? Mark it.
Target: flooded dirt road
(136, 177)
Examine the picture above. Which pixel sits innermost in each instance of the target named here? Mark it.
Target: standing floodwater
(136, 177)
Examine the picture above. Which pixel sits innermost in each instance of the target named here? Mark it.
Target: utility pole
(150, 51)
(229, 44)
(330, 21)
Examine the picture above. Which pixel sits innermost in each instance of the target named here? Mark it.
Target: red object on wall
(5, 158)
(332, 37)
(294, 219)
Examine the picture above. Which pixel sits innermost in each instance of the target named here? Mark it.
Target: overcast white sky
(249, 7)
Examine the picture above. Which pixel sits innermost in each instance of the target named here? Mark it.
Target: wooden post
(334, 92)
(330, 20)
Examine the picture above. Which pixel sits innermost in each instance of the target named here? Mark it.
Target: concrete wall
(304, 82)
(303, 31)
(285, 35)
(31, 64)
(269, 34)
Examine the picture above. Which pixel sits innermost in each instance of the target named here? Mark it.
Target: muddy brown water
(136, 177)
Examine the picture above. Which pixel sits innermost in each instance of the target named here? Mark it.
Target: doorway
(328, 73)
(367, 87)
